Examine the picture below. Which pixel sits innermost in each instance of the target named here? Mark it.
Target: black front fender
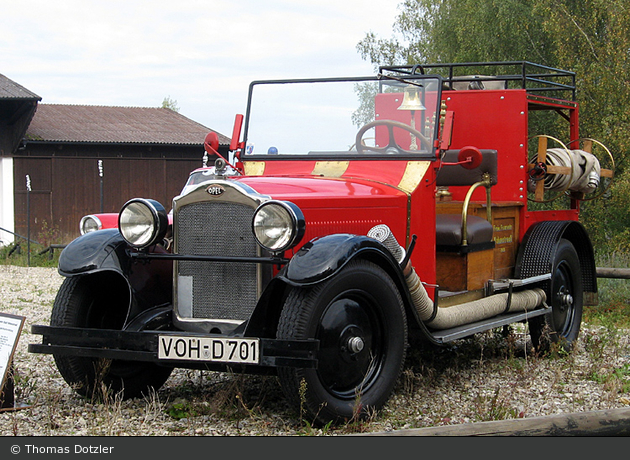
(149, 284)
(321, 258)
(317, 261)
(95, 251)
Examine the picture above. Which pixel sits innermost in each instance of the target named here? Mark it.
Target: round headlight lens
(89, 224)
(142, 222)
(278, 225)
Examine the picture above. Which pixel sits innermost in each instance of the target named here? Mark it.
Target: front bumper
(143, 346)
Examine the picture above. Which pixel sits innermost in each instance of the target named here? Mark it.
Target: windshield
(343, 117)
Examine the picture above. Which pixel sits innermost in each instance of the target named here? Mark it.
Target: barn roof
(17, 106)
(12, 90)
(118, 125)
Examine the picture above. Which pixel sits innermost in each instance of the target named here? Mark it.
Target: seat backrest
(453, 175)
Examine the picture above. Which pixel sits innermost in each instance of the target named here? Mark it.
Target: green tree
(169, 103)
(461, 31)
(592, 38)
(589, 37)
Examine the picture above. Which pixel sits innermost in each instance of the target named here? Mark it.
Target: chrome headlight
(278, 225)
(142, 222)
(90, 224)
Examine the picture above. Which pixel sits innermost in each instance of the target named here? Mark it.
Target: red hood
(342, 205)
(312, 190)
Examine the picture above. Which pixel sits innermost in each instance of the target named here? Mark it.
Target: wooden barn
(73, 160)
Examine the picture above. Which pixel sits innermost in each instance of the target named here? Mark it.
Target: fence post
(28, 220)
(100, 173)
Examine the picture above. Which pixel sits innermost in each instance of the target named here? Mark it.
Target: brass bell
(411, 99)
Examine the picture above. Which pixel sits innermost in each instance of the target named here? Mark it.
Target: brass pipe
(487, 183)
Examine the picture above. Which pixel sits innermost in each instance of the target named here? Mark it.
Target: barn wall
(66, 187)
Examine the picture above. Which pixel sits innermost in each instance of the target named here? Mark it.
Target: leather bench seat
(449, 233)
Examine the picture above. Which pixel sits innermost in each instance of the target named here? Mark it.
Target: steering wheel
(391, 124)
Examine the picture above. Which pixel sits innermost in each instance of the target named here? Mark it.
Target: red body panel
(108, 220)
(337, 205)
(477, 123)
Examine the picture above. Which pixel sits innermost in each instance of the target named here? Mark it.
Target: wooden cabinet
(468, 271)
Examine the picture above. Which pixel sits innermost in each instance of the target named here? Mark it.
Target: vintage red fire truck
(351, 215)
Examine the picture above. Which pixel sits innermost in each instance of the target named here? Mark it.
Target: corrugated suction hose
(465, 313)
(383, 234)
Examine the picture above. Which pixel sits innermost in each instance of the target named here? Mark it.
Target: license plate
(216, 349)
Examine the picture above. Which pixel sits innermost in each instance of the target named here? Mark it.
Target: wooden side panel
(480, 269)
(451, 272)
(506, 237)
(33, 210)
(75, 189)
(466, 272)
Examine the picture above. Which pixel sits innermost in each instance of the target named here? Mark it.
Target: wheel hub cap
(355, 344)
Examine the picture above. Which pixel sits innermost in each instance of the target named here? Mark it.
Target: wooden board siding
(64, 189)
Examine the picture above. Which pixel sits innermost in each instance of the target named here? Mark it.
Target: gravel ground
(488, 377)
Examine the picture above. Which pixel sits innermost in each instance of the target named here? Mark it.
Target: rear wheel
(562, 325)
(87, 302)
(359, 319)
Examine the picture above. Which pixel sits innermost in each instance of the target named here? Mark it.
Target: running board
(459, 332)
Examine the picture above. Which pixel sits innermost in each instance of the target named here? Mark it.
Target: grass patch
(614, 308)
(18, 254)
(618, 377)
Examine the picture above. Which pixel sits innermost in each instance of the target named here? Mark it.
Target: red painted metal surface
(108, 220)
(367, 192)
(347, 204)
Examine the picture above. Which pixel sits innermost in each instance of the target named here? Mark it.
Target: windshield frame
(381, 80)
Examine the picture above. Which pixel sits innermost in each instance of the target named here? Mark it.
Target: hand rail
(487, 183)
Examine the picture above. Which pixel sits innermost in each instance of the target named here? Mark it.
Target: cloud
(201, 53)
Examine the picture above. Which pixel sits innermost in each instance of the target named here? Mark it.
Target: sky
(200, 53)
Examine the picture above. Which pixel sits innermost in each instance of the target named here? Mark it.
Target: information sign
(10, 329)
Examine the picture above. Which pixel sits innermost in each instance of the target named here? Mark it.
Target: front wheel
(562, 325)
(359, 318)
(95, 302)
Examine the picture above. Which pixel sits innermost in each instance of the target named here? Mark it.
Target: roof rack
(534, 78)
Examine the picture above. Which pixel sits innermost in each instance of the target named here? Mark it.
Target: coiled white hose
(585, 169)
(383, 234)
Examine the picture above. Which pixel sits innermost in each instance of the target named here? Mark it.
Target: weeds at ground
(25, 383)
(615, 379)
(613, 295)
(493, 407)
(153, 407)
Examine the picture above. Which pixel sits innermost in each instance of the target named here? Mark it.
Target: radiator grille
(216, 290)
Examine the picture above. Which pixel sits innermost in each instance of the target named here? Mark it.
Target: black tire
(86, 302)
(565, 296)
(359, 306)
